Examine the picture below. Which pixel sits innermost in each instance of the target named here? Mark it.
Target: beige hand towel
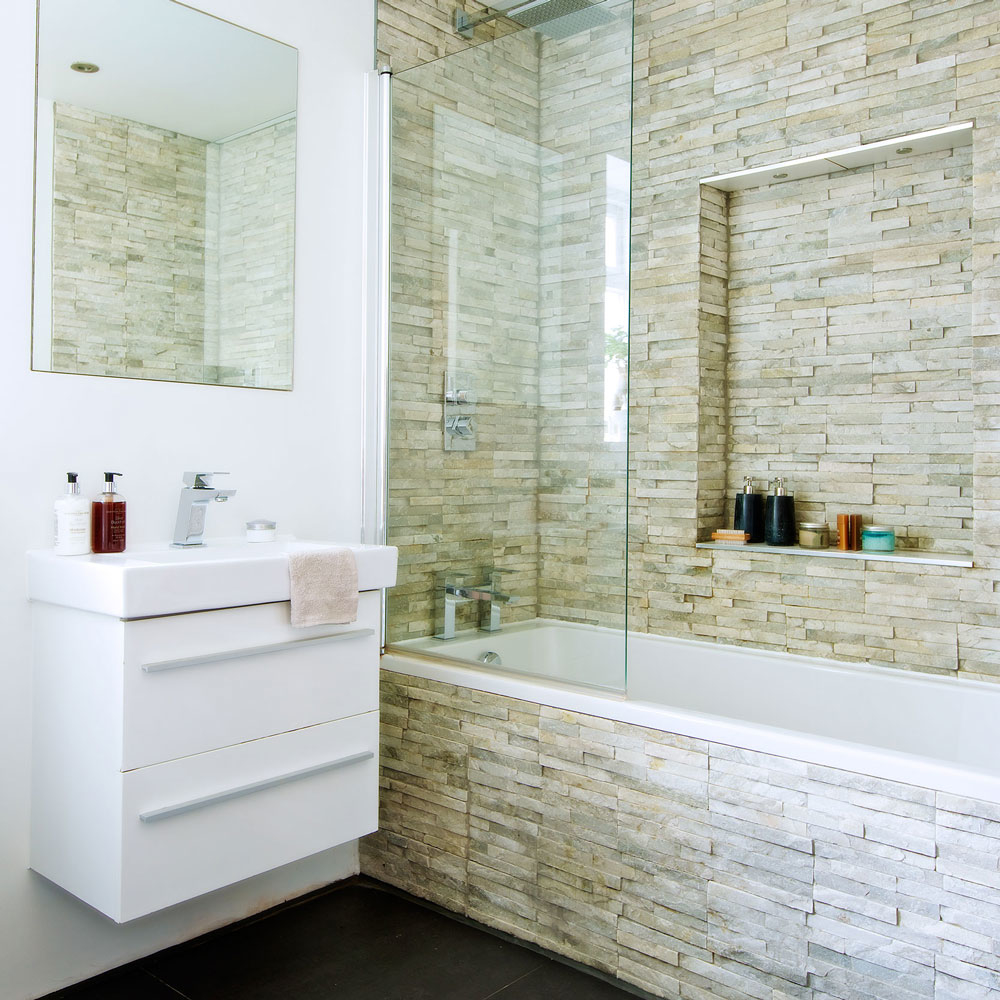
(324, 587)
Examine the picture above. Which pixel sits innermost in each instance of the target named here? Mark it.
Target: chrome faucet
(192, 510)
(455, 591)
(489, 619)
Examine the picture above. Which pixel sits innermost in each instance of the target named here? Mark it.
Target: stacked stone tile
(688, 868)
(584, 113)
(861, 402)
(837, 331)
(859, 316)
(414, 32)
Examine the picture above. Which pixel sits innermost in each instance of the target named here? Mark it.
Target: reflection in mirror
(165, 195)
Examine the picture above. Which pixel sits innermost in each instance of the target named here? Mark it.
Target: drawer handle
(166, 812)
(236, 654)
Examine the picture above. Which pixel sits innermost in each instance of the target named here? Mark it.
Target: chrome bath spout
(489, 596)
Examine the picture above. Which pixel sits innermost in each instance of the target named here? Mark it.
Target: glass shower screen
(509, 350)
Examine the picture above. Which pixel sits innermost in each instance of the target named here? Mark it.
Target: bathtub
(932, 731)
(585, 656)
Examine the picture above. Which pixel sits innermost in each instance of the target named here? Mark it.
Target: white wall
(293, 456)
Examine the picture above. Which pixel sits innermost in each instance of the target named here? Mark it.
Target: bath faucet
(489, 617)
(489, 596)
(192, 510)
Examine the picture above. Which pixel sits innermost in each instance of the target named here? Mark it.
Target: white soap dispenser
(72, 517)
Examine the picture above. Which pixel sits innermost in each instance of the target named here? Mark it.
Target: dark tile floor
(357, 941)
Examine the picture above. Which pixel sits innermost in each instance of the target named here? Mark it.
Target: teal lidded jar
(877, 538)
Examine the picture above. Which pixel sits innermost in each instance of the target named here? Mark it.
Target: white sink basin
(160, 580)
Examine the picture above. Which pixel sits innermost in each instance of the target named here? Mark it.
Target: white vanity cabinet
(176, 754)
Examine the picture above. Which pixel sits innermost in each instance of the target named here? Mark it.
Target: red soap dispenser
(107, 518)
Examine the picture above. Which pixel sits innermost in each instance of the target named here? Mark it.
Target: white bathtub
(582, 655)
(935, 732)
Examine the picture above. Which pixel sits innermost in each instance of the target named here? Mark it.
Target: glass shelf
(900, 555)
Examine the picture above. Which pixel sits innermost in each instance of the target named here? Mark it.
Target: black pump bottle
(779, 516)
(749, 512)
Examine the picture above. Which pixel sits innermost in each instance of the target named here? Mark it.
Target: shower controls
(459, 413)
(459, 427)
(459, 397)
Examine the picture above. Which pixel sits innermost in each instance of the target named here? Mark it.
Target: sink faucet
(489, 595)
(193, 507)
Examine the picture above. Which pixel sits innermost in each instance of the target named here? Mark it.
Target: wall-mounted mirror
(165, 195)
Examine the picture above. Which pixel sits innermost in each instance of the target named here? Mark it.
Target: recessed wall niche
(848, 348)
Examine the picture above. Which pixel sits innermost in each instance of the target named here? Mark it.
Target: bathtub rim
(826, 663)
(891, 765)
(440, 653)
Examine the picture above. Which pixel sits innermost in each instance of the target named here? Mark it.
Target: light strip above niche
(845, 159)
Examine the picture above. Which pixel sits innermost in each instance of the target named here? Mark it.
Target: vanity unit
(185, 735)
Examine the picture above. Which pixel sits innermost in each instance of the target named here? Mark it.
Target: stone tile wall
(850, 345)
(694, 869)
(585, 97)
(888, 275)
(688, 868)
(859, 316)
(413, 32)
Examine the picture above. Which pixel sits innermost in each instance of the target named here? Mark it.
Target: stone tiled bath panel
(686, 867)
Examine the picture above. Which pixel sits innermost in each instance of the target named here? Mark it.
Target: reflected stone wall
(256, 259)
(172, 257)
(128, 255)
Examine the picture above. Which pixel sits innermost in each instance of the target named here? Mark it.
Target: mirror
(165, 195)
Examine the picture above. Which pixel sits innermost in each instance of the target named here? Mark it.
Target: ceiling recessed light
(905, 149)
(780, 175)
(85, 67)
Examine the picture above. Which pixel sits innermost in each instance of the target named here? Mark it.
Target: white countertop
(157, 579)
